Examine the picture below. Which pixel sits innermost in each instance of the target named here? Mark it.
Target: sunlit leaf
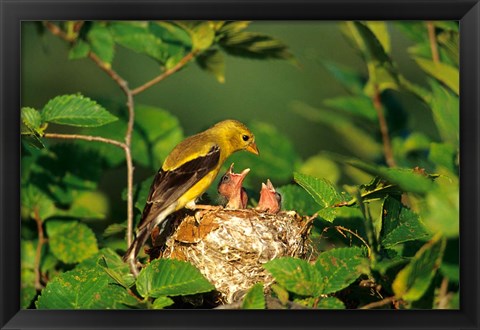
(444, 73)
(162, 302)
(340, 267)
(213, 62)
(296, 275)
(101, 42)
(446, 113)
(168, 277)
(79, 50)
(413, 280)
(76, 110)
(330, 303)
(254, 299)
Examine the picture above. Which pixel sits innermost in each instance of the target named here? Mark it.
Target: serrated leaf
(413, 280)
(296, 275)
(84, 288)
(340, 267)
(162, 302)
(254, 299)
(71, 241)
(322, 191)
(101, 42)
(168, 277)
(79, 50)
(32, 119)
(330, 303)
(114, 266)
(444, 73)
(213, 61)
(254, 45)
(76, 110)
(35, 202)
(400, 224)
(446, 113)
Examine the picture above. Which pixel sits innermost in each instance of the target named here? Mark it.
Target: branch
(187, 58)
(387, 147)
(86, 138)
(379, 303)
(433, 42)
(340, 229)
(38, 254)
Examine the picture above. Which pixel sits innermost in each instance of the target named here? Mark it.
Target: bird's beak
(252, 148)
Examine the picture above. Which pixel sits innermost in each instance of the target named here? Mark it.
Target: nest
(229, 247)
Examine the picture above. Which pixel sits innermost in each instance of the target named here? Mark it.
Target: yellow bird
(186, 174)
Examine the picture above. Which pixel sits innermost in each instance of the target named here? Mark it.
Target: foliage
(386, 214)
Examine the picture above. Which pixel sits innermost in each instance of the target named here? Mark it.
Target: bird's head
(238, 135)
(231, 182)
(270, 200)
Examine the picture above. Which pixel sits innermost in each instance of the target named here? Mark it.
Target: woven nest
(229, 247)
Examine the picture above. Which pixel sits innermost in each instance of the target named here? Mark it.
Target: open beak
(252, 148)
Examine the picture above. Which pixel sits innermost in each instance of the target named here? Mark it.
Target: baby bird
(230, 188)
(270, 200)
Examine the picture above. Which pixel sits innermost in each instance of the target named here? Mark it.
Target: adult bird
(186, 174)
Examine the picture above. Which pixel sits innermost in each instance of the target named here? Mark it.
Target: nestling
(230, 188)
(270, 200)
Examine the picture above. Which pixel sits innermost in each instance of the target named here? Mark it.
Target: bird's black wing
(168, 186)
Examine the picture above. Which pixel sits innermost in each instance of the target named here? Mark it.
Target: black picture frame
(14, 11)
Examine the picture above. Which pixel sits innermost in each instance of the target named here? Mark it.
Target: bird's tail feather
(136, 245)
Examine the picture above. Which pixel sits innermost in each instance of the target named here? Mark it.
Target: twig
(379, 303)
(187, 58)
(443, 295)
(387, 147)
(38, 254)
(433, 42)
(86, 138)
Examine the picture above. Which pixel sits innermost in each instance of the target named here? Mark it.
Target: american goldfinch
(230, 188)
(270, 200)
(186, 174)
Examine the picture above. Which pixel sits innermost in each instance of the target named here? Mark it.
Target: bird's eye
(225, 178)
(245, 138)
(278, 197)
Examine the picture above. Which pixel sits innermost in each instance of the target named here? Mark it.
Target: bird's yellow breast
(197, 190)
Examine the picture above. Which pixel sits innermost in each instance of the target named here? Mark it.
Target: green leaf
(400, 224)
(361, 106)
(84, 288)
(413, 280)
(27, 294)
(71, 241)
(137, 37)
(34, 202)
(340, 267)
(213, 62)
(380, 30)
(444, 73)
(296, 275)
(76, 110)
(369, 43)
(101, 42)
(330, 303)
(162, 302)
(79, 50)
(296, 198)
(442, 210)
(201, 32)
(446, 113)
(168, 277)
(322, 191)
(254, 298)
(233, 27)
(321, 166)
(114, 266)
(30, 128)
(254, 45)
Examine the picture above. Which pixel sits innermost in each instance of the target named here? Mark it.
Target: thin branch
(340, 229)
(187, 58)
(379, 303)
(443, 295)
(433, 42)
(86, 138)
(387, 147)
(38, 254)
